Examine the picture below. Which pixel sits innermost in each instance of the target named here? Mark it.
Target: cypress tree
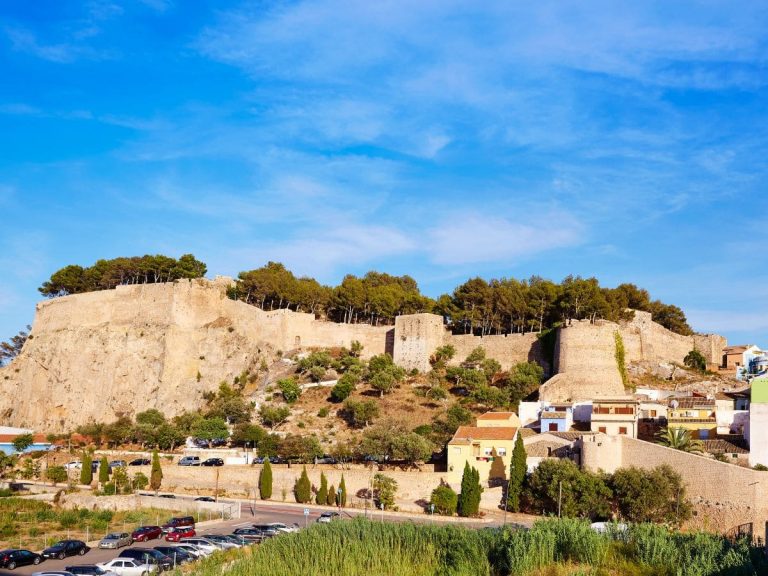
(103, 471)
(517, 470)
(302, 489)
(265, 480)
(322, 493)
(343, 494)
(469, 497)
(331, 496)
(86, 472)
(156, 475)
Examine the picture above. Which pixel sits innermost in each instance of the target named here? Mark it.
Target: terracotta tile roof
(8, 438)
(476, 433)
(527, 432)
(570, 435)
(730, 446)
(694, 403)
(737, 349)
(547, 449)
(551, 415)
(496, 416)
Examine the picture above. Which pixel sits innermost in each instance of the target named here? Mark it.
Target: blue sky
(439, 139)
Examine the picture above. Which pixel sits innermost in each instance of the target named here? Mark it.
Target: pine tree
(343, 492)
(331, 496)
(469, 498)
(103, 471)
(322, 493)
(265, 481)
(302, 489)
(156, 475)
(517, 470)
(86, 472)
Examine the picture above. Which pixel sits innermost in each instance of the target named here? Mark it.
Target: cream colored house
(493, 431)
(615, 416)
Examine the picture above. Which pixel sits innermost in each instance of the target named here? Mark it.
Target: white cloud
(481, 238)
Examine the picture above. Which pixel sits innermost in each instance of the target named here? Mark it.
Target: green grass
(550, 548)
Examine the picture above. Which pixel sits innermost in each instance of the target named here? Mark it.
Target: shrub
(302, 489)
(343, 388)
(290, 389)
(444, 499)
(323, 412)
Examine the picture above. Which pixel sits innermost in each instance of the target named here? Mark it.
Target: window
(552, 427)
(488, 451)
(501, 451)
(622, 429)
(602, 429)
(653, 413)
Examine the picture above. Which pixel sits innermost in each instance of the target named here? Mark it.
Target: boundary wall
(724, 495)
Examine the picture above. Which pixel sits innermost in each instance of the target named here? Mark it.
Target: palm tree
(679, 439)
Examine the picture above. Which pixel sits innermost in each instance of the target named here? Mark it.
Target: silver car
(116, 540)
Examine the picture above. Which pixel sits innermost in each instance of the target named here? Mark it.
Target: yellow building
(476, 444)
(615, 416)
(697, 415)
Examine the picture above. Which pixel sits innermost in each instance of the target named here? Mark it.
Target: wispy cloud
(467, 238)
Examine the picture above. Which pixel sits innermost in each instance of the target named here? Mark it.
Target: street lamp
(338, 499)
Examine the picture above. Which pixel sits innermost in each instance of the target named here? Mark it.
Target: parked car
(205, 545)
(205, 499)
(326, 459)
(118, 464)
(240, 539)
(74, 465)
(176, 534)
(252, 534)
(129, 567)
(52, 573)
(189, 461)
(193, 551)
(327, 517)
(140, 462)
(13, 557)
(278, 527)
(116, 540)
(89, 570)
(178, 555)
(65, 548)
(222, 541)
(214, 462)
(95, 466)
(166, 496)
(147, 533)
(148, 555)
(178, 522)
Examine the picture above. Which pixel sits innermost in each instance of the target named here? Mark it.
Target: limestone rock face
(99, 355)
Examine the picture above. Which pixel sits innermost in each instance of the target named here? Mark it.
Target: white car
(128, 567)
(280, 527)
(221, 541)
(74, 465)
(206, 546)
(193, 550)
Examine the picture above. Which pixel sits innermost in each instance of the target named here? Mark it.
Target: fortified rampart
(98, 355)
(724, 495)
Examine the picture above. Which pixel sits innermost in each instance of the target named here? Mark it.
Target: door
(552, 427)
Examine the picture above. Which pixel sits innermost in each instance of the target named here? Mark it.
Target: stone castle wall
(724, 495)
(98, 355)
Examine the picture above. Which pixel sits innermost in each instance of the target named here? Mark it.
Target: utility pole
(559, 498)
(216, 492)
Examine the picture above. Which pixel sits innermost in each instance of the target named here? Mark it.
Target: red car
(178, 533)
(146, 533)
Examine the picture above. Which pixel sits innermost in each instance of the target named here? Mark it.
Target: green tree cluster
(290, 389)
(695, 359)
(360, 413)
(107, 274)
(393, 442)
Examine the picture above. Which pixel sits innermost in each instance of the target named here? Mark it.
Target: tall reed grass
(361, 547)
